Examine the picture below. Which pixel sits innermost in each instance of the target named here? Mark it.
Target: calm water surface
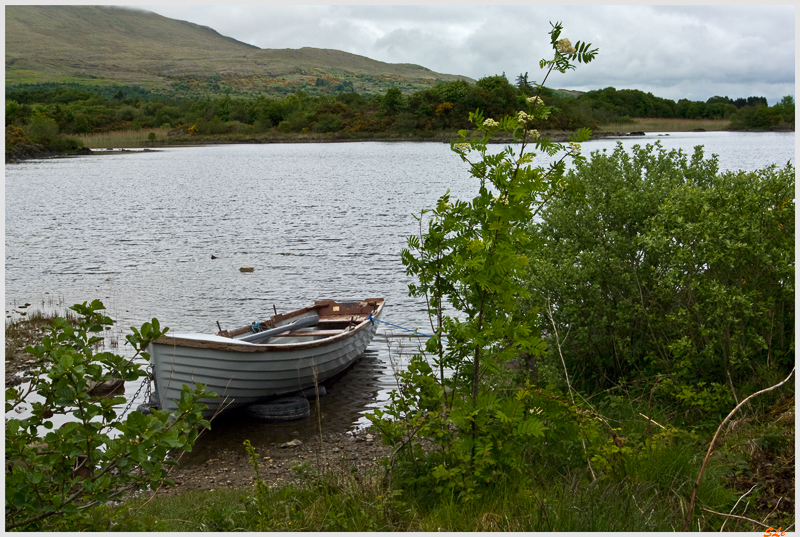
(138, 230)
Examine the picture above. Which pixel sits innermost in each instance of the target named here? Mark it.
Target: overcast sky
(678, 51)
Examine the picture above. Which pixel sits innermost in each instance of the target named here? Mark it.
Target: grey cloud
(672, 51)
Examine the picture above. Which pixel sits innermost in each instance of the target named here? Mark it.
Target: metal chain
(145, 382)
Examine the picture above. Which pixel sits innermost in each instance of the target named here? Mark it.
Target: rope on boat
(255, 328)
(373, 319)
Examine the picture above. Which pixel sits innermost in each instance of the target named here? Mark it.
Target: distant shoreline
(135, 143)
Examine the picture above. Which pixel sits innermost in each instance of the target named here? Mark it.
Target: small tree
(59, 478)
(470, 259)
(393, 102)
(42, 127)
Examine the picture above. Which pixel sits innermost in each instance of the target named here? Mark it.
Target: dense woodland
(42, 113)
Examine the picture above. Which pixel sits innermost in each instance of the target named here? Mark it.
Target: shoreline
(38, 153)
(359, 451)
(279, 465)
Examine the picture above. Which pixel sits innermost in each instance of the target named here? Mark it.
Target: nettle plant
(61, 478)
(469, 265)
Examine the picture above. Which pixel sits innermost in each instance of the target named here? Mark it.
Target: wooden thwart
(306, 333)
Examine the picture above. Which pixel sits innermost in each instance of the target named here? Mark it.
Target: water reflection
(341, 409)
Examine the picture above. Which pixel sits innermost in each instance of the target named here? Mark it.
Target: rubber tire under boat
(283, 409)
(310, 393)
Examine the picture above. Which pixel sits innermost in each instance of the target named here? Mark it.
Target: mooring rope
(373, 319)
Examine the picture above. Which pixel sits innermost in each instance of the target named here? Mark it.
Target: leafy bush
(60, 478)
(41, 127)
(657, 264)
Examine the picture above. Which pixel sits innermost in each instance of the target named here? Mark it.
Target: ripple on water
(315, 220)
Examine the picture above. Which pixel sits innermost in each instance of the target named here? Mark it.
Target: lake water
(138, 231)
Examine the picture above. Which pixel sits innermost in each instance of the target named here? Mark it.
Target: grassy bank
(649, 489)
(140, 138)
(25, 325)
(668, 125)
(748, 484)
(127, 138)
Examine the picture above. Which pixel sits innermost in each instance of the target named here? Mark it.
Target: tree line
(441, 107)
(44, 115)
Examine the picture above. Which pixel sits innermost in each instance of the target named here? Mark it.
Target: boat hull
(242, 373)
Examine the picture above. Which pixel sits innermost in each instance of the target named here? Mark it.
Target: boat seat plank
(305, 333)
(330, 319)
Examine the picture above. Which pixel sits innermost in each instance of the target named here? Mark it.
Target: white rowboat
(279, 356)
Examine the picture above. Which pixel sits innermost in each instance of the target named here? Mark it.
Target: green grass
(138, 138)
(643, 491)
(647, 489)
(29, 329)
(668, 125)
(129, 138)
(552, 503)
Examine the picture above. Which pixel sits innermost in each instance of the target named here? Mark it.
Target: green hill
(102, 45)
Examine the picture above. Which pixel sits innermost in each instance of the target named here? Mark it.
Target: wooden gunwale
(328, 318)
(272, 347)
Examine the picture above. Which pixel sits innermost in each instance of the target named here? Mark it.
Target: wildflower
(565, 46)
(490, 124)
(533, 133)
(524, 117)
(535, 101)
(462, 147)
(575, 147)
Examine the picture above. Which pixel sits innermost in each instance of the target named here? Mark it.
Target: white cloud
(680, 51)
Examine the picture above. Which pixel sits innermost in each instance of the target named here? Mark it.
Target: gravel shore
(290, 462)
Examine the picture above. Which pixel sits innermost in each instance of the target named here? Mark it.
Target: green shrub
(657, 264)
(42, 127)
(61, 478)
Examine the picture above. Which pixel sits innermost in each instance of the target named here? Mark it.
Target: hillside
(103, 45)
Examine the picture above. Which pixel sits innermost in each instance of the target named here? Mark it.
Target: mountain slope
(98, 45)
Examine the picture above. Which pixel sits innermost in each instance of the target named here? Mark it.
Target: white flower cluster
(535, 101)
(523, 117)
(533, 133)
(462, 147)
(575, 147)
(490, 124)
(565, 46)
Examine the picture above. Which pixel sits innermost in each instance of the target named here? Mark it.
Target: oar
(305, 322)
